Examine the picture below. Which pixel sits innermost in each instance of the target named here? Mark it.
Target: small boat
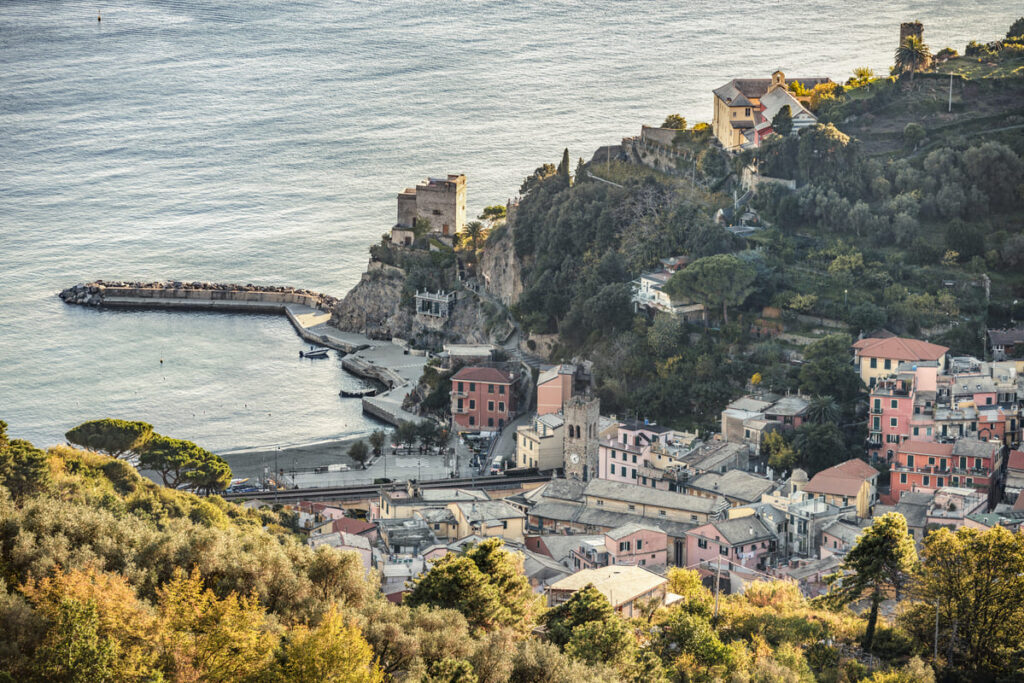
(314, 353)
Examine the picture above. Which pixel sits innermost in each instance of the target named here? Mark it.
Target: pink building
(554, 388)
(633, 544)
(741, 541)
(482, 399)
(622, 458)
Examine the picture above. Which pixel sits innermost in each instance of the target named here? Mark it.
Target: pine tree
(563, 167)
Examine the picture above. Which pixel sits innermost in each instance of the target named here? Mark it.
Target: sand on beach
(250, 463)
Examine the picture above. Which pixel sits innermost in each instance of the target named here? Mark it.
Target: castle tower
(911, 29)
(580, 440)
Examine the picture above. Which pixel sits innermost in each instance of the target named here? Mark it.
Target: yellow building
(737, 102)
(487, 519)
(615, 496)
(850, 483)
(876, 358)
(539, 444)
(405, 502)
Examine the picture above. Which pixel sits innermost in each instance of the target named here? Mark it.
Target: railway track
(359, 491)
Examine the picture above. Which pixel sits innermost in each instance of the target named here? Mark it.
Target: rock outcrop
(501, 269)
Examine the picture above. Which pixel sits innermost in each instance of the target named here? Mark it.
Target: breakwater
(392, 364)
(308, 311)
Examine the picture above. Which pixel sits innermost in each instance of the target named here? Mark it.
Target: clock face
(574, 458)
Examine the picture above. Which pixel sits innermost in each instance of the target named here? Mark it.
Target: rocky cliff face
(501, 269)
(373, 307)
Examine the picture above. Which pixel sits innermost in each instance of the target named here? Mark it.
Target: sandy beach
(250, 463)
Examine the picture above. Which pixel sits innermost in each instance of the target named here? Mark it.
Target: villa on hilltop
(744, 108)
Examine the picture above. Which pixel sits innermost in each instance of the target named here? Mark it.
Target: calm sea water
(264, 142)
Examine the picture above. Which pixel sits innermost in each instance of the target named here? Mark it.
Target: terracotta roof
(857, 468)
(899, 348)
(475, 374)
(844, 479)
(1016, 460)
(352, 526)
(926, 448)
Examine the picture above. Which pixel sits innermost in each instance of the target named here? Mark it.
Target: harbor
(391, 364)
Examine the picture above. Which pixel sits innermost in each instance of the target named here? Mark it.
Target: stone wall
(185, 293)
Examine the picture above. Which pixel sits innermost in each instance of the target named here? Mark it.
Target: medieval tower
(580, 441)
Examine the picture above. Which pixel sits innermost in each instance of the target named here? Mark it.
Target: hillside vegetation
(906, 217)
(106, 576)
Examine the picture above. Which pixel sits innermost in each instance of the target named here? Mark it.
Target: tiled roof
(618, 583)
(743, 530)
(926, 448)
(899, 348)
(1015, 460)
(352, 526)
(631, 493)
(631, 528)
(1004, 337)
(844, 479)
(477, 374)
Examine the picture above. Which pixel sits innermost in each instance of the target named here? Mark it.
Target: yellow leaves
(332, 652)
(756, 378)
(667, 367)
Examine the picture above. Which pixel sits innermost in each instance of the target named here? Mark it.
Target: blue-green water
(264, 142)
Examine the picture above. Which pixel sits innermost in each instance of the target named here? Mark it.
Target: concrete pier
(392, 364)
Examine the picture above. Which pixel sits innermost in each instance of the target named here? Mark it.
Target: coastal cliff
(378, 308)
(501, 270)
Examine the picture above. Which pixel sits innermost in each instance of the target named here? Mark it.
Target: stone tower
(911, 29)
(579, 445)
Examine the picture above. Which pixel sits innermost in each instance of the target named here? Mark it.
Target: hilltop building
(442, 201)
(738, 108)
(879, 357)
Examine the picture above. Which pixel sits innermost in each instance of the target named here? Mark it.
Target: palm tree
(911, 55)
(823, 410)
(474, 230)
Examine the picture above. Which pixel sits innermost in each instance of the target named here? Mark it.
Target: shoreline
(249, 463)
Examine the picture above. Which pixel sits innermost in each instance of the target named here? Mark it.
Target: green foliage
(493, 214)
(378, 439)
(780, 454)
(1016, 29)
(585, 605)
(877, 567)
(817, 447)
(485, 584)
(675, 122)
(914, 134)
(73, 649)
(720, 280)
(827, 369)
(976, 579)
(782, 122)
(171, 458)
(912, 55)
(23, 467)
(359, 452)
(110, 436)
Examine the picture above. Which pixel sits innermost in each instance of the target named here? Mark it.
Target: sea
(264, 142)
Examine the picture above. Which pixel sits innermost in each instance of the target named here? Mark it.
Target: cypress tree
(563, 167)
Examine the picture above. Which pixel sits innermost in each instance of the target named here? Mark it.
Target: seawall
(307, 311)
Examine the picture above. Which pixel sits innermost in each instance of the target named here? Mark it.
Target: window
(938, 481)
(460, 386)
(639, 543)
(501, 406)
(634, 459)
(693, 518)
(613, 469)
(888, 364)
(970, 480)
(874, 363)
(746, 433)
(926, 480)
(472, 386)
(878, 405)
(643, 480)
(931, 461)
(702, 543)
(910, 461)
(988, 400)
(490, 388)
(724, 550)
(661, 513)
(600, 502)
(490, 422)
(490, 406)
(633, 473)
(876, 423)
(632, 507)
(623, 545)
(893, 422)
(472, 404)
(613, 455)
(915, 431)
(501, 388)
(977, 463)
(459, 409)
(894, 404)
(472, 420)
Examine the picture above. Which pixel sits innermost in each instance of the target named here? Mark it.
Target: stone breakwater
(101, 292)
(391, 364)
(308, 311)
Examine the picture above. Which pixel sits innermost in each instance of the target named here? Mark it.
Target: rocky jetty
(93, 293)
